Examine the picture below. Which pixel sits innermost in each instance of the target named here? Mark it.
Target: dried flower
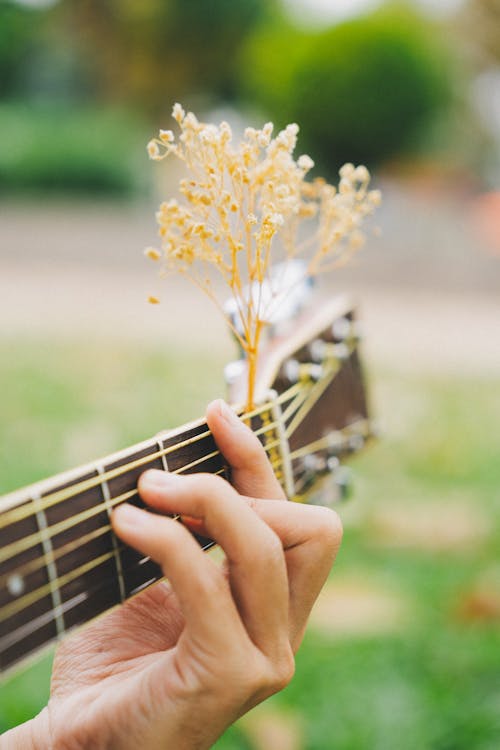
(243, 208)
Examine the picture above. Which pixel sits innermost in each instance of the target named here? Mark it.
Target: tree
(362, 91)
(156, 51)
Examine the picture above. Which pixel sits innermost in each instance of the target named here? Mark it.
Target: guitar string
(94, 511)
(315, 394)
(295, 402)
(296, 454)
(58, 496)
(315, 445)
(33, 565)
(36, 595)
(74, 544)
(39, 593)
(360, 427)
(312, 391)
(28, 542)
(27, 629)
(39, 562)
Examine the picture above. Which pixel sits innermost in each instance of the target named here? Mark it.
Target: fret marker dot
(15, 585)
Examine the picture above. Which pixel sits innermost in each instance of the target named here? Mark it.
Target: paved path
(429, 292)
(408, 330)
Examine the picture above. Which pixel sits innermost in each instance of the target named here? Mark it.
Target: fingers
(252, 473)
(202, 592)
(311, 538)
(257, 569)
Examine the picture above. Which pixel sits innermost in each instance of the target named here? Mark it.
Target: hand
(176, 665)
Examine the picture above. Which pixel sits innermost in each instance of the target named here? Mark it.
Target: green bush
(19, 28)
(363, 91)
(52, 148)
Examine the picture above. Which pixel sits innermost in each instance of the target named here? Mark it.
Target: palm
(148, 624)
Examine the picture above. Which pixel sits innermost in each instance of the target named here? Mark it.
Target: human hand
(176, 665)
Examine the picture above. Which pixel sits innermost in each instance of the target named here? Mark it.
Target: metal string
(59, 496)
(28, 542)
(28, 628)
(34, 596)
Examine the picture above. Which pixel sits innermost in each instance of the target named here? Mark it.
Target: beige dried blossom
(244, 207)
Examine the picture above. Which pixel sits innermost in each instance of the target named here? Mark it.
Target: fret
(71, 565)
(107, 500)
(15, 585)
(271, 440)
(286, 464)
(135, 570)
(196, 450)
(43, 527)
(164, 461)
(82, 516)
(127, 479)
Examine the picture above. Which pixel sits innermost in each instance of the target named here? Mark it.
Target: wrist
(32, 735)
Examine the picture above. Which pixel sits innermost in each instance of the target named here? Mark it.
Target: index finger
(252, 473)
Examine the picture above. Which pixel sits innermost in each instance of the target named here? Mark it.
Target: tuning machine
(321, 350)
(342, 478)
(233, 371)
(293, 371)
(345, 329)
(334, 487)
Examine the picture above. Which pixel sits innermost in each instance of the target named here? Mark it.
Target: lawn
(404, 649)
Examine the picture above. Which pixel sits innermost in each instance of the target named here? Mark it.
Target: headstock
(312, 363)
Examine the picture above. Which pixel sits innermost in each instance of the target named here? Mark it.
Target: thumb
(252, 473)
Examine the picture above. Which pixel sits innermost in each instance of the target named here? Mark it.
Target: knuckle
(257, 676)
(329, 529)
(285, 670)
(279, 673)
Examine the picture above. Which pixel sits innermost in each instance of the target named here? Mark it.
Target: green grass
(430, 684)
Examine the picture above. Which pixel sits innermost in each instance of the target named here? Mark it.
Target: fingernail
(129, 515)
(155, 478)
(227, 413)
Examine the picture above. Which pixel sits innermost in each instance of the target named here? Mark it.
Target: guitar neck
(60, 563)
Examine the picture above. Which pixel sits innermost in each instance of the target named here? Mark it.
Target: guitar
(60, 563)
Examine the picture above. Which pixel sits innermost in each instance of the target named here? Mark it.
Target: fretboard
(60, 563)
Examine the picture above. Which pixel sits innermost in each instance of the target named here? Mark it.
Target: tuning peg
(332, 463)
(313, 371)
(356, 442)
(341, 352)
(233, 371)
(344, 329)
(341, 329)
(343, 482)
(320, 350)
(314, 463)
(291, 370)
(317, 350)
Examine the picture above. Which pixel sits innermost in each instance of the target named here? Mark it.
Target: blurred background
(404, 644)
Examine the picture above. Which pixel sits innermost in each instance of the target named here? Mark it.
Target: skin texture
(176, 665)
